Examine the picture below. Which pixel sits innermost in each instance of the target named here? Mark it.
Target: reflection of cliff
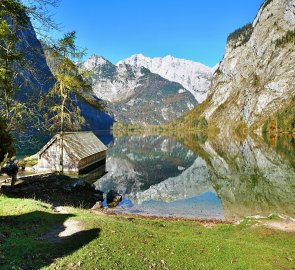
(250, 177)
(192, 182)
(138, 162)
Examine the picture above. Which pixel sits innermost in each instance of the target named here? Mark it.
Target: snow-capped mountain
(193, 76)
(136, 95)
(112, 83)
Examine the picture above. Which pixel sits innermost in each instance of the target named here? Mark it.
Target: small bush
(265, 126)
(256, 81)
(200, 124)
(288, 38)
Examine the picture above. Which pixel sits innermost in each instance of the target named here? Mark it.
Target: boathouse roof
(80, 144)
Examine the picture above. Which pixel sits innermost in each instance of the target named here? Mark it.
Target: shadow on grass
(23, 245)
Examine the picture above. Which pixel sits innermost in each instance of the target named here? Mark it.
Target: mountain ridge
(194, 76)
(135, 94)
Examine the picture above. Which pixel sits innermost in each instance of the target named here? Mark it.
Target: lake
(196, 177)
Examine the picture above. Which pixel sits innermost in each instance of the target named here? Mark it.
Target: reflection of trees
(249, 176)
(284, 145)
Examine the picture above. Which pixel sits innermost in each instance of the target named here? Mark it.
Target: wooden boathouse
(82, 153)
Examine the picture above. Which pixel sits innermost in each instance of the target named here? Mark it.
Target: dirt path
(64, 230)
(286, 225)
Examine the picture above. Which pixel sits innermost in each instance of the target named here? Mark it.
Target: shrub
(200, 123)
(256, 81)
(281, 121)
(288, 38)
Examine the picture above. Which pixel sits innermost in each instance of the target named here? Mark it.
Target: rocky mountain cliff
(194, 76)
(136, 95)
(34, 78)
(112, 83)
(256, 77)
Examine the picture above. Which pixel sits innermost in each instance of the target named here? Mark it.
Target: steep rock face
(33, 80)
(35, 77)
(194, 76)
(256, 77)
(155, 101)
(112, 83)
(137, 96)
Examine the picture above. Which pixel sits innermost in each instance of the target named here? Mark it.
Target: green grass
(118, 242)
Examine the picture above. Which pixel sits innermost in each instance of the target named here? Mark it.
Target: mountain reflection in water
(224, 179)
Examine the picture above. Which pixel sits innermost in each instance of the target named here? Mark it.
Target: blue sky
(190, 29)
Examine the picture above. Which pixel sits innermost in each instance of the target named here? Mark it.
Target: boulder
(78, 185)
(113, 198)
(98, 195)
(98, 205)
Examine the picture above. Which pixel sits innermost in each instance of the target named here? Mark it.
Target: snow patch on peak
(193, 76)
(95, 61)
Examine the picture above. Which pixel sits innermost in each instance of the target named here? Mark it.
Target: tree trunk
(6, 90)
(64, 96)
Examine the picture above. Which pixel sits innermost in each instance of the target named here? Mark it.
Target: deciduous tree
(64, 114)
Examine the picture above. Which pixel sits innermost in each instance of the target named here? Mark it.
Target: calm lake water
(224, 179)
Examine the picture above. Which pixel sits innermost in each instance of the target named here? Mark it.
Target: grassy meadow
(124, 242)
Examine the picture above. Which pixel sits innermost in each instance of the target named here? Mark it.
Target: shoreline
(109, 212)
(213, 221)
